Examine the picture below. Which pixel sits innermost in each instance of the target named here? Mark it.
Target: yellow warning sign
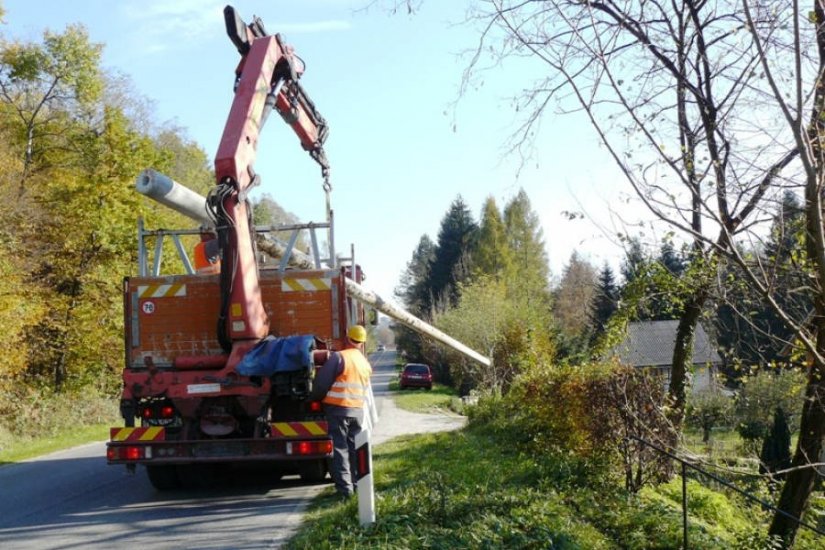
(161, 291)
(305, 284)
(298, 429)
(154, 433)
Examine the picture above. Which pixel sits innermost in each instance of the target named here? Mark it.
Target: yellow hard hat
(357, 333)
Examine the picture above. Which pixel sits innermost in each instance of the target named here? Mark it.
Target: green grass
(40, 423)
(440, 399)
(450, 490)
(18, 449)
(723, 444)
(468, 489)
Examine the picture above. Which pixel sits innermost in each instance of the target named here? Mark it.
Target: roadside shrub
(705, 506)
(591, 413)
(27, 412)
(758, 398)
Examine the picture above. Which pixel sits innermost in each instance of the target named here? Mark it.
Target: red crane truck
(188, 410)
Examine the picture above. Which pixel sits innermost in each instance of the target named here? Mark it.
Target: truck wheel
(163, 478)
(313, 471)
(196, 476)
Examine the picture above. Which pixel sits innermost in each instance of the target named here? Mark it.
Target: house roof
(650, 344)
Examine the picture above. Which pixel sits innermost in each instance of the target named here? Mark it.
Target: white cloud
(162, 25)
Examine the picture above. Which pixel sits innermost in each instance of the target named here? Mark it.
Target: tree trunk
(800, 480)
(683, 357)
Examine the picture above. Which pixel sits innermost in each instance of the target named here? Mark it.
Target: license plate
(220, 449)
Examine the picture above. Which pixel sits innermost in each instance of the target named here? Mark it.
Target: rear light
(314, 406)
(128, 452)
(157, 413)
(304, 448)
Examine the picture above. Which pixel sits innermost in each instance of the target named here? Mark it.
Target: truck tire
(313, 471)
(196, 476)
(163, 478)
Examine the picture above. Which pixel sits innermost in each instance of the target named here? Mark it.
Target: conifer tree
(776, 448)
(529, 266)
(572, 305)
(492, 255)
(452, 260)
(414, 292)
(606, 300)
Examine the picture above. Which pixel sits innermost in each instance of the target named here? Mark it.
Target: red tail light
(146, 413)
(167, 411)
(314, 406)
(131, 452)
(304, 448)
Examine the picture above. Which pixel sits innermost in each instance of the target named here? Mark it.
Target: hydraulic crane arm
(266, 78)
(287, 96)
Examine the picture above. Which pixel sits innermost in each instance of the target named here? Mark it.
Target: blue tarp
(272, 355)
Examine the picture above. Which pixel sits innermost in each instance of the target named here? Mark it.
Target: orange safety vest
(202, 264)
(350, 388)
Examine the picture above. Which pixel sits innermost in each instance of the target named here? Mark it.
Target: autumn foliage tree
(69, 158)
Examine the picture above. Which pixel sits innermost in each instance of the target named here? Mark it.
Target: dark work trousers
(342, 430)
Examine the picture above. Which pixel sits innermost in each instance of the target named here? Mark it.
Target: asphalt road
(73, 499)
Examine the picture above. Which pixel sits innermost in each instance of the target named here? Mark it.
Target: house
(649, 344)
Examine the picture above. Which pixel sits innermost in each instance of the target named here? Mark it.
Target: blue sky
(402, 144)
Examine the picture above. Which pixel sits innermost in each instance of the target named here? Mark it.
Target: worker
(343, 386)
(207, 257)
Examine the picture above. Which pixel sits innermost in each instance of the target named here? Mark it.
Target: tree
(751, 332)
(708, 409)
(606, 300)
(414, 293)
(764, 392)
(413, 290)
(671, 88)
(18, 311)
(670, 259)
(776, 449)
(634, 262)
(492, 254)
(46, 82)
(451, 262)
(266, 211)
(573, 303)
(86, 242)
(665, 298)
(529, 271)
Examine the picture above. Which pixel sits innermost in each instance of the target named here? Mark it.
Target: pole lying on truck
(182, 199)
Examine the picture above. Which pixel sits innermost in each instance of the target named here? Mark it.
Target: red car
(416, 375)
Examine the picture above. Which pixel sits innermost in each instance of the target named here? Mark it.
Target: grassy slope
(450, 490)
(471, 489)
(22, 448)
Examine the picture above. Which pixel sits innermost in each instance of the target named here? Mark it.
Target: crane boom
(266, 78)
